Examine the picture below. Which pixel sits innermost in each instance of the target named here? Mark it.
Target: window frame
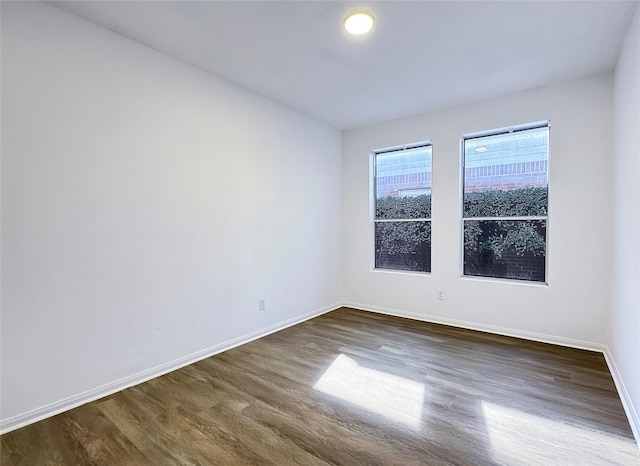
(462, 218)
(374, 199)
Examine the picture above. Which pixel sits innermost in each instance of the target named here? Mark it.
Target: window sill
(504, 281)
(401, 272)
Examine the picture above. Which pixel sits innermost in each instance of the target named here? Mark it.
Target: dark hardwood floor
(352, 388)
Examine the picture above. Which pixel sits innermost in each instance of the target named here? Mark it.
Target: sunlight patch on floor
(396, 398)
(520, 438)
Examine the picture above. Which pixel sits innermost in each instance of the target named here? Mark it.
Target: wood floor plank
(352, 388)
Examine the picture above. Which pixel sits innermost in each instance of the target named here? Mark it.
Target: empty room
(320, 233)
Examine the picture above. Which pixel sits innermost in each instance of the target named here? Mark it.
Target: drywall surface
(146, 207)
(572, 308)
(624, 337)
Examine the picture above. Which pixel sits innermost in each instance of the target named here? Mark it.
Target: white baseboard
(509, 332)
(21, 420)
(627, 403)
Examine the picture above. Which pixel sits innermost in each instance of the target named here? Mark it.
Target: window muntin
(505, 204)
(402, 223)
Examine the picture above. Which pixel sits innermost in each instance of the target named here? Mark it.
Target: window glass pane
(404, 207)
(516, 203)
(403, 245)
(403, 184)
(513, 249)
(506, 174)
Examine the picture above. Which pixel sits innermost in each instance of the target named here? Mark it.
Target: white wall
(146, 206)
(573, 308)
(624, 336)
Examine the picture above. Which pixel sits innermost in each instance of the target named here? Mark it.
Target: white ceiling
(421, 56)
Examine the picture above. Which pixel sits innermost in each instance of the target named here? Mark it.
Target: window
(402, 222)
(505, 203)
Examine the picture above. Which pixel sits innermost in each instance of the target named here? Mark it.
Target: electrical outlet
(441, 295)
(262, 304)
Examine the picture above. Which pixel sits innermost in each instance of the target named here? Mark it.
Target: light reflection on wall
(521, 438)
(396, 398)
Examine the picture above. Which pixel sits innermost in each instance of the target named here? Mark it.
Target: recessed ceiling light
(359, 22)
(481, 149)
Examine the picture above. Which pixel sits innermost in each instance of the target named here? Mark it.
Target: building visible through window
(505, 203)
(402, 181)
